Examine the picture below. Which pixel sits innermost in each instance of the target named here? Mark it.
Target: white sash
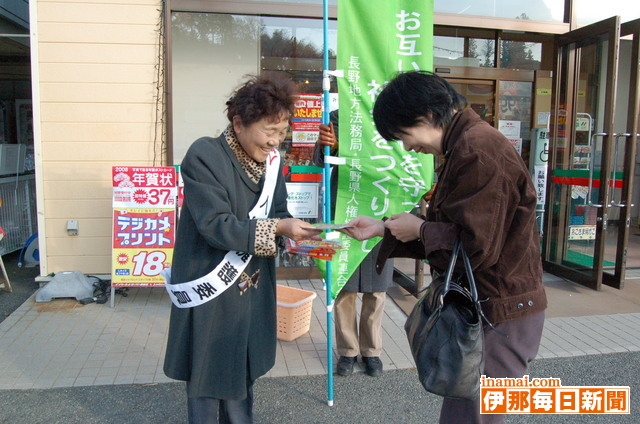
(203, 289)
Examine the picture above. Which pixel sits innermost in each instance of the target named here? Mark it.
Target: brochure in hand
(332, 226)
(321, 249)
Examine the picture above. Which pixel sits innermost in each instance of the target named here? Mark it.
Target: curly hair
(268, 95)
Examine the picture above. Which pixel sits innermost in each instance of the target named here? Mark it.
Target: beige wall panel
(97, 112)
(97, 86)
(90, 265)
(77, 191)
(107, 73)
(124, 2)
(109, 33)
(108, 152)
(97, 13)
(80, 246)
(64, 209)
(97, 131)
(90, 171)
(57, 228)
(96, 93)
(98, 53)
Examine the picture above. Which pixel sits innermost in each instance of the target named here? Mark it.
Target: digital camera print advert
(143, 241)
(144, 219)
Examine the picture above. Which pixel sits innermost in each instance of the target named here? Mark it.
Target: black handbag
(445, 334)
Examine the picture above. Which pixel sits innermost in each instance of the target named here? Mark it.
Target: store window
(463, 51)
(537, 10)
(480, 96)
(210, 55)
(520, 55)
(592, 11)
(514, 114)
(211, 52)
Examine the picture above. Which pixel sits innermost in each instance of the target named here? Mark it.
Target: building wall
(97, 97)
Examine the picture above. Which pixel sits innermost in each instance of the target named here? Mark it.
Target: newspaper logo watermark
(548, 396)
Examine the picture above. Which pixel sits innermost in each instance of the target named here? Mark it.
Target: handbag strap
(472, 282)
(458, 249)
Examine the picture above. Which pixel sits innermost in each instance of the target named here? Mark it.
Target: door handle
(612, 202)
(591, 166)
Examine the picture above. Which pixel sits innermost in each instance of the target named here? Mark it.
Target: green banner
(376, 39)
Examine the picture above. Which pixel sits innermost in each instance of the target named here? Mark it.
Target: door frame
(568, 48)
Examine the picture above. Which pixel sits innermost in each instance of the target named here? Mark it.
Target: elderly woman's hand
(404, 226)
(297, 229)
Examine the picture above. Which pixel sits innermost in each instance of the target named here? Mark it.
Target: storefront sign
(306, 120)
(510, 129)
(516, 143)
(582, 232)
(540, 181)
(582, 124)
(144, 213)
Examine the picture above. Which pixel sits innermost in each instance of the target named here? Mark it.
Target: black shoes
(345, 365)
(373, 365)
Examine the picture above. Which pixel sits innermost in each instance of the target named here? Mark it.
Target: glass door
(582, 158)
(626, 249)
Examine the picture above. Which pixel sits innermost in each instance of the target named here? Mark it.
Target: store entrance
(593, 135)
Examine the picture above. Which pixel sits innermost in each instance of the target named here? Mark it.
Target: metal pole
(326, 87)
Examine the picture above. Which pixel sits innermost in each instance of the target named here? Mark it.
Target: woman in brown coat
(485, 197)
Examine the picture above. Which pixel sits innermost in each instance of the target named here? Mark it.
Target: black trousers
(505, 357)
(204, 410)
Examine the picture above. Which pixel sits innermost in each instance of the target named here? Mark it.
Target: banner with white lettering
(376, 39)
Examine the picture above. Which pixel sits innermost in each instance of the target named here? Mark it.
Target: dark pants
(505, 357)
(204, 410)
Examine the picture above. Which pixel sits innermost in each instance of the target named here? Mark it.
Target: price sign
(144, 218)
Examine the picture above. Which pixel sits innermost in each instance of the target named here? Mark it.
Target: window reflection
(463, 51)
(520, 55)
(538, 10)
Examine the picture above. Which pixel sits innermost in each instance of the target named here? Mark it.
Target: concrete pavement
(72, 363)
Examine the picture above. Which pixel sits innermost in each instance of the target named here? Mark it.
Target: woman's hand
(364, 228)
(327, 137)
(404, 226)
(297, 229)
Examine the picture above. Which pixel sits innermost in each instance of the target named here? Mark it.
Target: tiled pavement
(64, 344)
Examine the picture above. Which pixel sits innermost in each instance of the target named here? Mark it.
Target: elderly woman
(222, 332)
(486, 198)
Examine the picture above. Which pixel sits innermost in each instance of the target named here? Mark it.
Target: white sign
(540, 181)
(516, 143)
(582, 232)
(543, 118)
(510, 129)
(303, 199)
(582, 124)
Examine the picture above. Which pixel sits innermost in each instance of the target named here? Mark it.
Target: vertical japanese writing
(408, 25)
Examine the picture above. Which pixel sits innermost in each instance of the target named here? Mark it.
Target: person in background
(485, 197)
(234, 210)
(365, 338)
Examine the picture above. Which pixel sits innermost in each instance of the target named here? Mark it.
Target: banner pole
(326, 198)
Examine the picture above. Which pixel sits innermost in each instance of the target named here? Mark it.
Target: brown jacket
(484, 194)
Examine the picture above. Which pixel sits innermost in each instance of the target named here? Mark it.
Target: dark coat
(218, 345)
(364, 279)
(484, 194)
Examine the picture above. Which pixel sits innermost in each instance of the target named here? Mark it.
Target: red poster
(144, 218)
(306, 119)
